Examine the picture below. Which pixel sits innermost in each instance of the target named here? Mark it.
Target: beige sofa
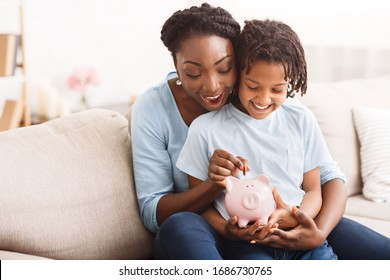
(67, 189)
(337, 107)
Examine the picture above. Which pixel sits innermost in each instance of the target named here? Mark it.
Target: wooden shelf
(16, 113)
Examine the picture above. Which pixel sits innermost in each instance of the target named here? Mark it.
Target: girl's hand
(283, 215)
(223, 164)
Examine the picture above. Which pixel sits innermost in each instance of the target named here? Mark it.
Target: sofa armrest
(67, 190)
(7, 255)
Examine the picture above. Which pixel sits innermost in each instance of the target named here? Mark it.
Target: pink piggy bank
(249, 200)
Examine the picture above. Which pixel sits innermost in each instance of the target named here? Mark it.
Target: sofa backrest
(67, 190)
(332, 104)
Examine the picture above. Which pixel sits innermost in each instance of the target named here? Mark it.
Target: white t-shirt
(282, 146)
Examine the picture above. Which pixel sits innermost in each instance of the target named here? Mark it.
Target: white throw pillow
(373, 129)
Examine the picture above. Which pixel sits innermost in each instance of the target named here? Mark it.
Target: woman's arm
(223, 164)
(201, 193)
(194, 200)
(334, 200)
(162, 189)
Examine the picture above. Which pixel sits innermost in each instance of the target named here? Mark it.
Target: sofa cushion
(373, 128)
(332, 104)
(67, 190)
(373, 215)
(358, 205)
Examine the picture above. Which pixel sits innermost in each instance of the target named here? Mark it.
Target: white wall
(118, 37)
(343, 39)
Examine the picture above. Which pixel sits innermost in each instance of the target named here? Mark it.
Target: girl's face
(262, 90)
(206, 67)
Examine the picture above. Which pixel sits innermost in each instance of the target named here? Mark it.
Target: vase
(84, 105)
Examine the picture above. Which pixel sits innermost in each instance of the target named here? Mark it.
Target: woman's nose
(211, 84)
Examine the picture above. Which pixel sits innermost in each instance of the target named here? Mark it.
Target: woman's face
(263, 89)
(206, 67)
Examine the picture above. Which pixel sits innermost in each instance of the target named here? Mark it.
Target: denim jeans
(244, 251)
(353, 241)
(188, 236)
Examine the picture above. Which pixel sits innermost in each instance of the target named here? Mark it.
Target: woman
(201, 41)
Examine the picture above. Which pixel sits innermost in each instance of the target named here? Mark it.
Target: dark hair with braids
(203, 20)
(273, 42)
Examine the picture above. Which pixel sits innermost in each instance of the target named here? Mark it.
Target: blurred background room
(103, 53)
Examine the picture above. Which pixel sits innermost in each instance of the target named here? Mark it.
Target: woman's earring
(178, 82)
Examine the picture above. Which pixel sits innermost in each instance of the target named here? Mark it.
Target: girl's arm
(310, 234)
(312, 199)
(283, 216)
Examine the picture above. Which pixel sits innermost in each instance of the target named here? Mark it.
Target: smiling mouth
(212, 100)
(262, 108)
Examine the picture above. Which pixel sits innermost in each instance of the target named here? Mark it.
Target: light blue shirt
(283, 146)
(158, 134)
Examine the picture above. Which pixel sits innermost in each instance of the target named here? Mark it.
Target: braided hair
(274, 42)
(203, 20)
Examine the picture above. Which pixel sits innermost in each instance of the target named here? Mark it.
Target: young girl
(273, 133)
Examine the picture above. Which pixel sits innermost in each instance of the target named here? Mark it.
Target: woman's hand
(223, 164)
(250, 233)
(306, 236)
(292, 229)
(230, 229)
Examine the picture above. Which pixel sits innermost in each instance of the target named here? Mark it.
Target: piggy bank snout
(251, 201)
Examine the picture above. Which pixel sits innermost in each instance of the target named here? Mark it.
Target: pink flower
(81, 77)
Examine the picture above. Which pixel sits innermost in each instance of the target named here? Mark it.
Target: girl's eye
(252, 88)
(277, 90)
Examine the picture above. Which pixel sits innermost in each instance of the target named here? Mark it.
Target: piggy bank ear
(263, 178)
(230, 182)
